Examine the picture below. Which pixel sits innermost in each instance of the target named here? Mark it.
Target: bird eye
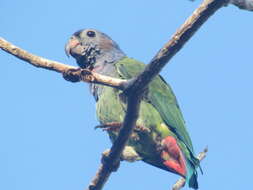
(91, 34)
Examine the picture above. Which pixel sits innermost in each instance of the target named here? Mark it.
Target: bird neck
(105, 61)
(105, 65)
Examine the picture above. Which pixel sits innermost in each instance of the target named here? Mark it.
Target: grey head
(91, 47)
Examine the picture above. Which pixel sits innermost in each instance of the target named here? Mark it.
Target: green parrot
(160, 137)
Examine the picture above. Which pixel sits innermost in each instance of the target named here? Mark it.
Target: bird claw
(72, 75)
(116, 126)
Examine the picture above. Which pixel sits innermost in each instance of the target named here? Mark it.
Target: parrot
(159, 137)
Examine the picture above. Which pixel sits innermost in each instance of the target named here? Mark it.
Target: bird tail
(192, 175)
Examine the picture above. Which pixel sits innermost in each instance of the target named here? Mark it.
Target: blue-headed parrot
(160, 137)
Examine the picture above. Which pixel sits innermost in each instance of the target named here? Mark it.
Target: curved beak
(72, 43)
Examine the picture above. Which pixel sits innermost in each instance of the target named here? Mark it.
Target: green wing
(161, 97)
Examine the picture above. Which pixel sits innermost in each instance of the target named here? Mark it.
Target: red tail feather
(173, 156)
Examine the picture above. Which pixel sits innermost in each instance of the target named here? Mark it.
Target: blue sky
(47, 140)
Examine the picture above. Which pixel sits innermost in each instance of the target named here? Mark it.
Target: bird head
(89, 45)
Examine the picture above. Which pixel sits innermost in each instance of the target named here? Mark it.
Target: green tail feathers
(193, 183)
(192, 175)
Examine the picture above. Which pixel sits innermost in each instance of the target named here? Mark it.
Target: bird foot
(116, 126)
(130, 155)
(72, 75)
(112, 126)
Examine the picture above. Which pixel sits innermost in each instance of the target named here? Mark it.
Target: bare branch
(181, 182)
(113, 158)
(182, 35)
(92, 77)
(85, 75)
(136, 87)
(33, 59)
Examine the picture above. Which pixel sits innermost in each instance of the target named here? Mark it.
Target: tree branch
(181, 182)
(85, 75)
(182, 35)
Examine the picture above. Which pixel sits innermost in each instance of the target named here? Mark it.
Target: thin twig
(136, 87)
(181, 182)
(86, 75)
